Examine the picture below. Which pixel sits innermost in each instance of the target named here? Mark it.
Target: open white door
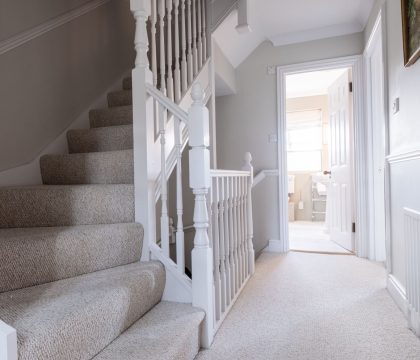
(341, 191)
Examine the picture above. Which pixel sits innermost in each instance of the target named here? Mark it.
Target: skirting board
(397, 292)
(275, 246)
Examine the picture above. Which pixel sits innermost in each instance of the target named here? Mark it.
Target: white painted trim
(409, 155)
(31, 34)
(397, 292)
(377, 35)
(29, 173)
(316, 34)
(264, 174)
(8, 342)
(355, 63)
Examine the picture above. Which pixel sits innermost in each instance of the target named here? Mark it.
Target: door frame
(360, 148)
(379, 34)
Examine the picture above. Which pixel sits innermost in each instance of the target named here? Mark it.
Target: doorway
(345, 214)
(319, 161)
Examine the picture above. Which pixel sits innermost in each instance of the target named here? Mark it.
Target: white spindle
(177, 79)
(202, 257)
(184, 70)
(216, 249)
(190, 44)
(164, 219)
(161, 9)
(199, 37)
(194, 35)
(232, 239)
(229, 288)
(222, 246)
(170, 84)
(244, 230)
(180, 247)
(237, 233)
(153, 24)
(250, 228)
(240, 232)
(204, 30)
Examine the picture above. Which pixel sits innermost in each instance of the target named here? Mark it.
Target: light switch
(396, 106)
(272, 138)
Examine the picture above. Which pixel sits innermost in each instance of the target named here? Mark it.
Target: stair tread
(33, 256)
(110, 138)
(77, 318)
(168, 331)
(109, 167)
(65, 205)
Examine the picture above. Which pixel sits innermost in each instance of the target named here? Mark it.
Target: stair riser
(111, 117)
(66, 205)
(64, 252)
(98, 140)
(127, 84)
(120, 98)
(92, 168)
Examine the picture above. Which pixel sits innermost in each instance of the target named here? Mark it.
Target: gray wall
(245, 120)
(404, 130)
(49, 81)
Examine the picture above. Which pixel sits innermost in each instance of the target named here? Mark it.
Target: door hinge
(351, 86)
(353, 227)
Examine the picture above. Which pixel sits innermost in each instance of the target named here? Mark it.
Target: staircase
(72, 284)
(80, 278)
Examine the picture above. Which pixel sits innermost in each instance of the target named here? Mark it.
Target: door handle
(327, 172)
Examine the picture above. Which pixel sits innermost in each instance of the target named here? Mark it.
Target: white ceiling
(291, 21)
(311, 83)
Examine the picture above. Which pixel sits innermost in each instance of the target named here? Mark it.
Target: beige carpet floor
(317, 307)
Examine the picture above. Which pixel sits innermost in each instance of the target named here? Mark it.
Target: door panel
(341, 201)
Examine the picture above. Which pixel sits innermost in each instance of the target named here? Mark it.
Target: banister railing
(162, 129)
(182, 44)
(231, 231)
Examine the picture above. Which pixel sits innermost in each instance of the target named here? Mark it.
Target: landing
(311, 306)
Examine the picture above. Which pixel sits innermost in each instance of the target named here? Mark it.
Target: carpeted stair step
(34, 256)
(120, 98)
(43, 205)
(77, 318)
(111, 167)
(127, 84)
(169, 331)
(111, 138)
(121, 115)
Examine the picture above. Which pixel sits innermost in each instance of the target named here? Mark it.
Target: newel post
(250, 227)
(140, 75)
(202, 255)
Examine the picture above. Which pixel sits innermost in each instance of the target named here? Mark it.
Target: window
(304, 141)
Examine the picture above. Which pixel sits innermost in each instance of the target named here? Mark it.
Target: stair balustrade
(169, 113)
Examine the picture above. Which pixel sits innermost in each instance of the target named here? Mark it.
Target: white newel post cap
(248, 164)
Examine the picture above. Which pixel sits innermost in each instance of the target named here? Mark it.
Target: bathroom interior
(308, 161)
